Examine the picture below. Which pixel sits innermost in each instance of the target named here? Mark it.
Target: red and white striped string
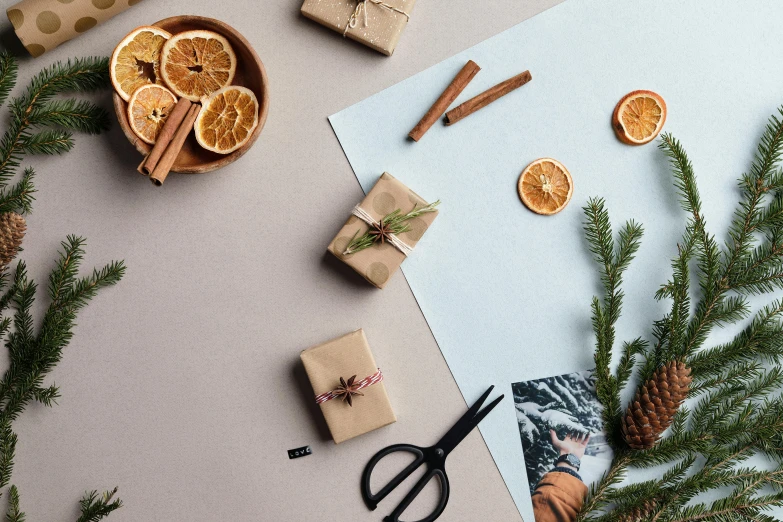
(367, 381)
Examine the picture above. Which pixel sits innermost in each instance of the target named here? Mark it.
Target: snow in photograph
(568, 405)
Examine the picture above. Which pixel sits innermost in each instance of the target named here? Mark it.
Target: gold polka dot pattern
(340, 245)
(35, 50)
(384, 203)
(42, 25)
(378, 273)
(85, 23)
(47, 22)
(16, 17)
(416, 228)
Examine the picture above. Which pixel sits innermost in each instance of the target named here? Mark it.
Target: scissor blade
(466, 424)
(476, 405)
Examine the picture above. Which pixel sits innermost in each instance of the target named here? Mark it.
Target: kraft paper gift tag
(344, 357)
(42, 25)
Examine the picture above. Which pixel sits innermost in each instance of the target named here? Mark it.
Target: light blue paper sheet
(507, 292)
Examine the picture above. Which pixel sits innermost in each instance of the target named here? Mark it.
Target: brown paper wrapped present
(350, 408)
(377, 263)
(375, 23)
(42, 25)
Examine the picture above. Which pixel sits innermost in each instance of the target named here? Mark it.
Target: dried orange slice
(197, 63)
(148, 108)
(136, 60)
(227, 119)
(639, 117)
(545, 186)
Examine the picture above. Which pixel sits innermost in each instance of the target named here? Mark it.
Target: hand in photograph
(572, 444)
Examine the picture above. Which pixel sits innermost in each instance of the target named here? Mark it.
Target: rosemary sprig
(392, 223)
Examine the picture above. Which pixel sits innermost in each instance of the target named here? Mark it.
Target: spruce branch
(82, 116)
(14, 513)
(40, 124)
(35, 109)
(95, 507)
(8, 72)
(737, 409)
(613, 262)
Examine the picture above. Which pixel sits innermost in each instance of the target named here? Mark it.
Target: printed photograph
(561, 431)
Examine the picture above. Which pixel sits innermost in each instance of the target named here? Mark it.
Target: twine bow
(361, 9)
(379, 229)
(354, 387)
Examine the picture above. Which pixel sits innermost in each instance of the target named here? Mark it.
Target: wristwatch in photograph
(570, 459)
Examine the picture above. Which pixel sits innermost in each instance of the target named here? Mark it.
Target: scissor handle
(434, 459)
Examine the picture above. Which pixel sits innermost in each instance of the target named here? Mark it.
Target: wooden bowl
(250, 73)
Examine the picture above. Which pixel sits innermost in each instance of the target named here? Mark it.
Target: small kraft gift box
(377, 24)
(383, 229)
(348, 386)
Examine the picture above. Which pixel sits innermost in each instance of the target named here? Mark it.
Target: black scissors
(435, 459)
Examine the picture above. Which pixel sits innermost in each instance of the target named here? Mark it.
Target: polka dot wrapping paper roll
(379, 262)
(42, 25)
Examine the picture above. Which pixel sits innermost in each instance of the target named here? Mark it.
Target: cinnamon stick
(487, 97)
(163, 167)
(454, 89)
(164, 138)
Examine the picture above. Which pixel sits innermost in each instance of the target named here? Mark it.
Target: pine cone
(12, 229)
(655, 404)
(638, 514)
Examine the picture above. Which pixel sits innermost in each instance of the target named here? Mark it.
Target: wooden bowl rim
(120, 105)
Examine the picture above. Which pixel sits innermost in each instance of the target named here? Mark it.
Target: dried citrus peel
(545, 186)
(227, 119)
(136, 60)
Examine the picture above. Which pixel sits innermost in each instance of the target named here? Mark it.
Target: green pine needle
(8, 73)
(14, 513)
(737, 410)
(95, 507)
(40, 124)
(394, 222)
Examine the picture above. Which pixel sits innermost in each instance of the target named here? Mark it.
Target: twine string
(361, 9)
(396, 242)
(364, 383)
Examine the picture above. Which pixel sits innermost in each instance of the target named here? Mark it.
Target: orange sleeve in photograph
(558, 497)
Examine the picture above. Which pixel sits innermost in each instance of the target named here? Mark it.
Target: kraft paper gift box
(377, 263)
(42, 25)
(345, 357)
(375, 23)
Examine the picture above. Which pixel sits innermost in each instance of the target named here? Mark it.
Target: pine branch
(34, 109)
(33, 355)
(96, 507)
(598, 232)
(8, 69)
(50, 141)
(82, 116)
(14, 513)
(7, 452)
(761, 340)
(739, 412)
(19, 198)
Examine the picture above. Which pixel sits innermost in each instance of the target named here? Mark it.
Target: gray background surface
(183, 384)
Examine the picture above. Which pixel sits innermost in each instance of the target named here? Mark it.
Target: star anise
(380, 231)
(347, 390)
